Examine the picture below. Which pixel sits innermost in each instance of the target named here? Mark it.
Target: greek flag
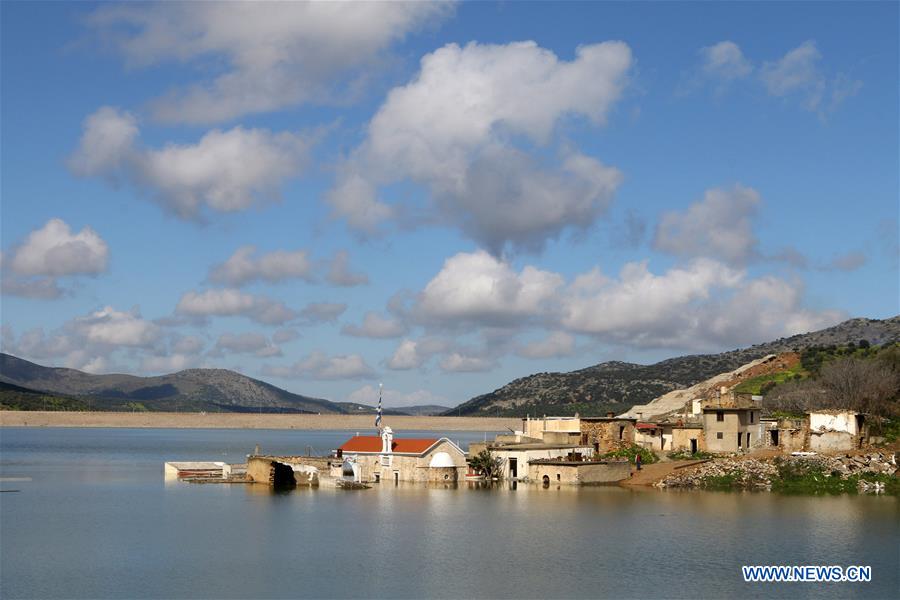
(378, 413)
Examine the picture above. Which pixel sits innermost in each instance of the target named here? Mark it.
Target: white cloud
(795, 71)
(320, 366)
(322, 312)
(117, 328)
(242, 267)
(232, 302)
(188, 345)
(704, 305)
(36, 344)
(452, 128)
(107, 141)
(461, 363)
(285, 335)
(842, 87)
(88, 342)
(340, 273)
(368, 394)
(720, 225)
(850, 261)
(38, 288)
(724, 61)
(412, 354)
(406, 356)
(268, 56)
(798, 73)
(168, 364)
(376, 326)
(31, 268)
(762, 309)
(224, 171)
(557, 344)
(247, 343)
(477, 287)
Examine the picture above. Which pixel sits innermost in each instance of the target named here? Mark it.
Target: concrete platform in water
(205, 472)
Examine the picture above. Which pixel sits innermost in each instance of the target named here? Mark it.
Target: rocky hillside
(616, 386)
(213, 390)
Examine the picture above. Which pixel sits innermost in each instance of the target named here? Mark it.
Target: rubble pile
(748, 473)
(873, 462)
(751, 473)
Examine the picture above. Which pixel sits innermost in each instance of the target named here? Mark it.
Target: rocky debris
(751, 473)
(747, 473)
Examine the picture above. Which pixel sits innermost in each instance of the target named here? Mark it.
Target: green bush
(888, 428)
(629, 452)
(809, 477)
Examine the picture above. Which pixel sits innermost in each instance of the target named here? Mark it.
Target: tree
(485, 463)
(863, 385)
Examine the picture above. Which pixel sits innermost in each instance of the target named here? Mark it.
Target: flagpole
(378, 412)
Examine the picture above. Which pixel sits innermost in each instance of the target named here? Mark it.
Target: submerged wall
(585, 473)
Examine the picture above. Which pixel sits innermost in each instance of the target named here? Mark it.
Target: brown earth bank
(650, 474)
(14, 418)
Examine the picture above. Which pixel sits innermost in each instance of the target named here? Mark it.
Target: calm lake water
(93, 518)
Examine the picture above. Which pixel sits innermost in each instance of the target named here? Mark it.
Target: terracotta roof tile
(372, 443)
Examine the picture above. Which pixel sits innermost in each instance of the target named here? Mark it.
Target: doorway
(773, 437)
(282, 476)
(514, 468)
(693, 446)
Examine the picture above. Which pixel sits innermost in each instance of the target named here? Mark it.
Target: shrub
(629, 452)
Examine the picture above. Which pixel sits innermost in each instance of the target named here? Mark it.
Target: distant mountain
(616, 386)
(212, 390)
(355, 408)
(425, 410)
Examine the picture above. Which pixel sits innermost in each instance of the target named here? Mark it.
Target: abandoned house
(516, 457)
(607, 433)
(732, 429)
(836, 430)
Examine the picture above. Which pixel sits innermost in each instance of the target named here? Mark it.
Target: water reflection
(475, 539)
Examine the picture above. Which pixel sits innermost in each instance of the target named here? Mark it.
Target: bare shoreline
(167, 420)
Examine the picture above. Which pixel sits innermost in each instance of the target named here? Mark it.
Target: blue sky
(442, 197)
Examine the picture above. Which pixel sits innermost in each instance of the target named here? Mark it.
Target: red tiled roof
(372, 443)
(646, 426)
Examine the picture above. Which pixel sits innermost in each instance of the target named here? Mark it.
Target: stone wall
(831, 441)
(261, 469)
(607, 436)
(587, 473)
(682, 436)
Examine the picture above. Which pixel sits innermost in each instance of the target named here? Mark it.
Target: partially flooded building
(372, 459)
